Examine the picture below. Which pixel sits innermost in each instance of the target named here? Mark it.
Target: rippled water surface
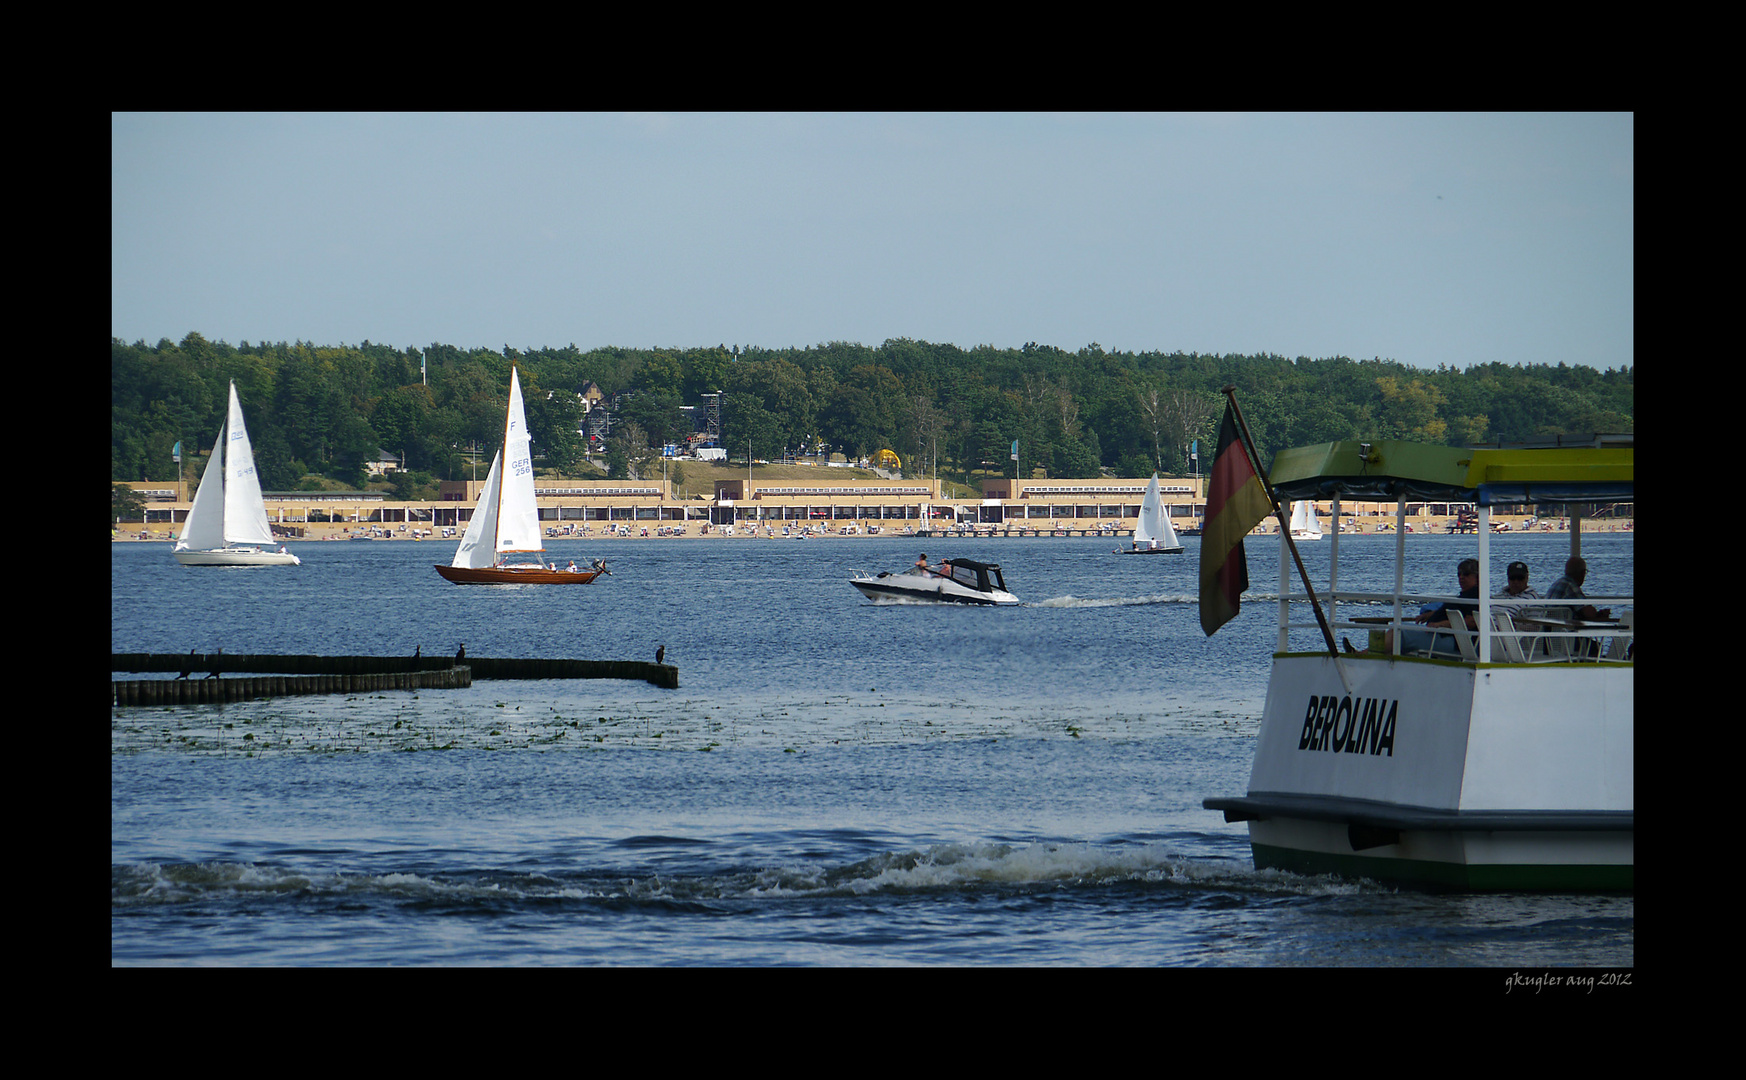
(834, 783)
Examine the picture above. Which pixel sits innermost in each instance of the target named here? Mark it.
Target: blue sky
(1427, 239)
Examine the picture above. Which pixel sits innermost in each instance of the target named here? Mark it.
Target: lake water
(833, 784)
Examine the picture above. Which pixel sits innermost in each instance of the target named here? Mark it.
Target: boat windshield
(984, 577)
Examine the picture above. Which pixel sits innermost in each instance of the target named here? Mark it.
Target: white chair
(1622, 638)
(1507, 638)
(1557, 646)
(1463, 639)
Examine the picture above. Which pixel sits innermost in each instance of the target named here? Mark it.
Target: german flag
(1235, 503)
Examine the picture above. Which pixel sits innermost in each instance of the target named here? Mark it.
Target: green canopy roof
(1384, 470)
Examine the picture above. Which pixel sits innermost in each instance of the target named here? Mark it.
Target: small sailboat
(1304, 523)
(506, 519)
(1153, 535)
(227, 525)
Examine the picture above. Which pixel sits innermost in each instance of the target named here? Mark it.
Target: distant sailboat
(1304, 523)
(506, 519)
(227, 525)
(1153, 534)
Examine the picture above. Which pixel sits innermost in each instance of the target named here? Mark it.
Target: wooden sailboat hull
(509, 575)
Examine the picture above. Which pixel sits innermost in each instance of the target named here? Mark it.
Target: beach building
(837, 505)
(1101, 503)
(833, 504)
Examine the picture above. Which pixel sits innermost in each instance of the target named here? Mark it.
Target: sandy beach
(362, 532)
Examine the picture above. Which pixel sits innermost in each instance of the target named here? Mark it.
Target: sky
(1429, 239)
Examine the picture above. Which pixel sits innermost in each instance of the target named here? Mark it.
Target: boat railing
(1529, 630)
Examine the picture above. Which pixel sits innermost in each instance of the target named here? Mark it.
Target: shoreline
(324, 533)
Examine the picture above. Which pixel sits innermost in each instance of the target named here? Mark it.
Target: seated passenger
(1434, 615)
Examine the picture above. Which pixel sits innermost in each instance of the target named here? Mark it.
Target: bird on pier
(187, 665)
(217, 662)
(660, 653)
(417, 651)
(461, 653)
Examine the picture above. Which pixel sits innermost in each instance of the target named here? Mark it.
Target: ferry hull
(461, 575)
(1445, 775)
(1457, 860)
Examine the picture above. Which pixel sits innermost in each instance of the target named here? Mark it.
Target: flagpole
(1230, 393)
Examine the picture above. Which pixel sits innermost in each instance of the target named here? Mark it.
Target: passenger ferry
(1501, 758)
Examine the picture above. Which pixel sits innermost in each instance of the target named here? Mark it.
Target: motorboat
(1497, 758)
(953, 581)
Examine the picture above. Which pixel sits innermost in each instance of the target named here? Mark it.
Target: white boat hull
(237, 557)
(971, 582)
(1445, 774)
(897, 589)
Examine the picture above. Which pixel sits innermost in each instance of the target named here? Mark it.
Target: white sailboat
(1153, 535)
(506, 519)
(1304, 523)
(227, 525)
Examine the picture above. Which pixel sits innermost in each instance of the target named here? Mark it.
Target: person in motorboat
(921, 563)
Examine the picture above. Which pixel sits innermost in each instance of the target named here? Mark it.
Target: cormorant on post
(461, 653)
(417, 651)
(187, 665)
(217, 662)
(660, 653)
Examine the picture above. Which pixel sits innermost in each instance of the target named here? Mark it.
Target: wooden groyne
(275, 676)
(203, 691)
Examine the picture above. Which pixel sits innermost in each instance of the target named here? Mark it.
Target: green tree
(125, 504)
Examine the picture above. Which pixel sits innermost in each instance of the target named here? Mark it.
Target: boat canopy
(977, 575)
(1595, 469)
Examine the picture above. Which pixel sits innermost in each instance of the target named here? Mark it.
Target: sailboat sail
(245, 511)
(518, 514)
(1304, 524)
(507, 517)
(204, 528)
(479, 546)
(1153, 528)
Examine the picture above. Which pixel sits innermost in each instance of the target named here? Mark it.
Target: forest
(318, 413)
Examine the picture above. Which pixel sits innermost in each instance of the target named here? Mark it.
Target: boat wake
(941, 868)
(1116, 601)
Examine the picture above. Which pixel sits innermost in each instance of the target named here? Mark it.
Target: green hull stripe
(1487, 877)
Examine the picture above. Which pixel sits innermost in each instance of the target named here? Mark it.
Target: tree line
(323, 410)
